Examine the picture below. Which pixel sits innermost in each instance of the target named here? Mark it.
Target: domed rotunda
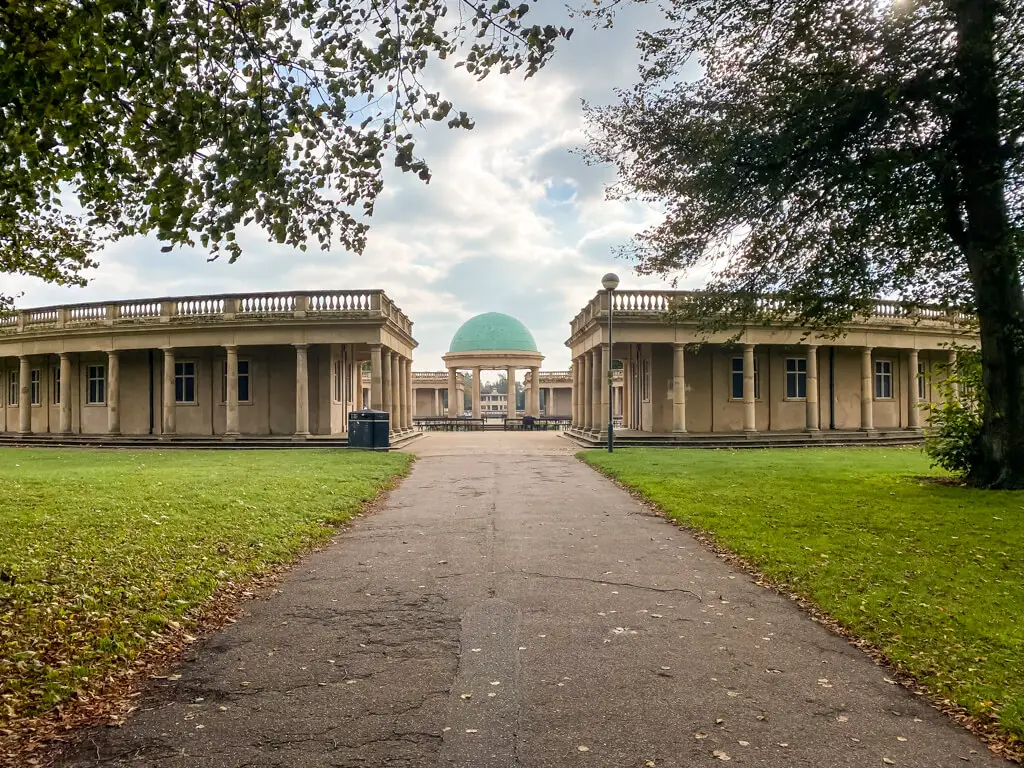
(492, 341)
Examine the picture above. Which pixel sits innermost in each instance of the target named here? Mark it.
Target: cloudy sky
(511, 222)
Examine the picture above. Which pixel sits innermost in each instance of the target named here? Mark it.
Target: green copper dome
(493, 331)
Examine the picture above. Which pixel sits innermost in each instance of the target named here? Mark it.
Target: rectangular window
(12, 387)
(35, 386)
(55, 386)
(796, 378)
(921, 384)
(737, 379)
(883, 379)
(96, 392)
(244, 390)
(645, 380)
(338, 381)
(185, 381)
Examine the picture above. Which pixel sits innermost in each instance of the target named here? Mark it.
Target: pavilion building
(255, 364)
(492, 341)
(680, 382)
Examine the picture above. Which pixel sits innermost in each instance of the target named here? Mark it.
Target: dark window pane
(737, 386)
(791, 385)
(243, 388)
(179, 389)
(737, 364)
(190, 389)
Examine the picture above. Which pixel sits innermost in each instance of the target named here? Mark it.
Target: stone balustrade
(632, 304)
(192, 309)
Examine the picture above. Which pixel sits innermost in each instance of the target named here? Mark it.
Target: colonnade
(391, 386)
(532, 406)
(391, 391)
(590, 373)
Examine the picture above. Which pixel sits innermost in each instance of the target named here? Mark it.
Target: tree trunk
(988, 245)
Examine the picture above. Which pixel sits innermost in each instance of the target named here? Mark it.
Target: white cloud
(511, 220)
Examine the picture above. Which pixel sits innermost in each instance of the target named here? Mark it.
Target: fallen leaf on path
(700, 735)
(720, 755)
(581, 748)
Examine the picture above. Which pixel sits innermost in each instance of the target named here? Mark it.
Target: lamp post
(610, 283)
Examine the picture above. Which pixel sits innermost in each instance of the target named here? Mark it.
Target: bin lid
(369, 414)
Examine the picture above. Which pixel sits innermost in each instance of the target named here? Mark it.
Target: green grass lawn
(932, 574)
(102, 551)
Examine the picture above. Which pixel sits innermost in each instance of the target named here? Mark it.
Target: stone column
(376, 378)
(574, 393)
(385, 384)
(24, 396)
(410, 395)
(437, 402)
(113, 393)
(627, 389)
(913, 405)
(65, 393)
(587, 390)
(476, 392)
(396, 393)
(403, 394)
(606, 378)
(168, 427)
(301, 390)
(678, 387)
(812, 389)
(453, 392)
(510, 399)
(951, 371)
(867, 410)
(534, 408)
(231, 401)
(749, 392)
(597, 384)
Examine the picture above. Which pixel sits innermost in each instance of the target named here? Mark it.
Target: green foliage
(929, 572)
(817, 154)
(188, 119)
(812, 155)
(954, 434)
(103, 552)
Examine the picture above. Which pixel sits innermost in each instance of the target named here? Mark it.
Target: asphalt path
(508, 606)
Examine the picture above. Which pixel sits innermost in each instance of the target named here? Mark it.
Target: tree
(830, 152)
(189, 118)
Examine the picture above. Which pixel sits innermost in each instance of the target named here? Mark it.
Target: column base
(300, 436)
(751, 432)
(116, 433)
(231, 435)
(679, 432)
(812, 430)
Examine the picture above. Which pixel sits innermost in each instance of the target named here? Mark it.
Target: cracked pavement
(506, 607)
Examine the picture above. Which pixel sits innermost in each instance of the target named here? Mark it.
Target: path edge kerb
(998, 743)
(45, 737)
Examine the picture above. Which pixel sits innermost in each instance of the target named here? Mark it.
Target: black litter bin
(369, 429)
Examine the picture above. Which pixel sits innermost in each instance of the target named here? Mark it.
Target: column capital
(64, 356)
(301, 346)
(748, 347)
(113, 353)
(679, 345)
(375, 345)
(230, 347)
